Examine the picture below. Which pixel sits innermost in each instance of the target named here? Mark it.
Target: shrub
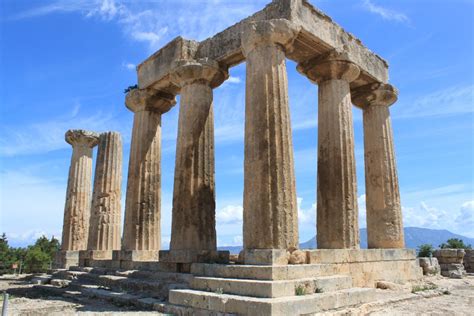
(425, 250)
(130, 88)
(300, 290)
(455, 243)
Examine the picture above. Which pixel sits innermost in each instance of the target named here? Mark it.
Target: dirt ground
(435, 296)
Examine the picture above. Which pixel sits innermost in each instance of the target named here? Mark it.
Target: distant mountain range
(414, 236)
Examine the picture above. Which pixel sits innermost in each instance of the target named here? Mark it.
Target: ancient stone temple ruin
(271, 276)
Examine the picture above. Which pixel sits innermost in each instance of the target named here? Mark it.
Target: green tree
(454, 243)
(425, 250)
(36, 260)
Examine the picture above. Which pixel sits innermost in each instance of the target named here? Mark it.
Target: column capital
(270, 32)
(80, 137)
(149, 100)
(333, 65)
(375, 94)
(203, 70)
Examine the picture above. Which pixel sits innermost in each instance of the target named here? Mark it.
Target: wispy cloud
(385, 13)
(151, 22)
(46, 136)
(449, 101)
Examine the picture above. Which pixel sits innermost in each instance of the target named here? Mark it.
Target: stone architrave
(105, 220)
(79, 190)
(142, 230)
(384, 213)
(337, 210)
(193, 215)
(270, 218)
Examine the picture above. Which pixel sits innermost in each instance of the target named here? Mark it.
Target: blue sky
(65, 64)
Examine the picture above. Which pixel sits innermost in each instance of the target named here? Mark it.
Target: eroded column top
(332, 65)
(80, 137)
(376, 94)
(277, 31)
(202, 70)
(149, 100)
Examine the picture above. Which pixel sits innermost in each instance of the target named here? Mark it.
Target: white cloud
(458, 220)
(230, 214)
(150, 22)
(386, 14)
(361, 200)
(129, 66)
(25, 196)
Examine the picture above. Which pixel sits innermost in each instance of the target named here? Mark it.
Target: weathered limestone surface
(451, 262)
(337, 215)
(384, 213)
(270, 210)
(105, 220)
(193, 221)
(430, 266)
(468, 260)
(318, 35)
(142, 207)
(79, 190)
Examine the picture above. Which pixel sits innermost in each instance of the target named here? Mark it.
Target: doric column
(79, 189)
(384, 214)
(193, 215)
(337, 211)
(143, 200)
(105, 221)
(270, 208)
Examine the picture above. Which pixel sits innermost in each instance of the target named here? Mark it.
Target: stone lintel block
(318, 35)
(191, 256)
(64, 259)
(266, 256)
(135, 255)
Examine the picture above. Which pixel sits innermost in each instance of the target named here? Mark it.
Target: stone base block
(135, 255)
(191, 256)
(266, 256)
(271, 289)
(294, 305)
(86, 257)
(452, 270)
(430, 266)
(64, 259)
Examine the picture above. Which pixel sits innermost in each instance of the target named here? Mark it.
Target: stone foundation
(468, 260)
(64, 259)
(366, 266)
(451, 262)
(430, 266)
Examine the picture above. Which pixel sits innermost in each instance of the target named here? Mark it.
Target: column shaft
(337, 210)
(384, 215)
(270, 208)
(79, 189)
(193, 223)
(142, 229)
(105, 221)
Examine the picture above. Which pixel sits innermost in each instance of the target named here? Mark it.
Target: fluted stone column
(142, 231)
(78, 198)
(193, 222)
(270, 208)
(337, 210)
(384, 214)
(105, 220)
